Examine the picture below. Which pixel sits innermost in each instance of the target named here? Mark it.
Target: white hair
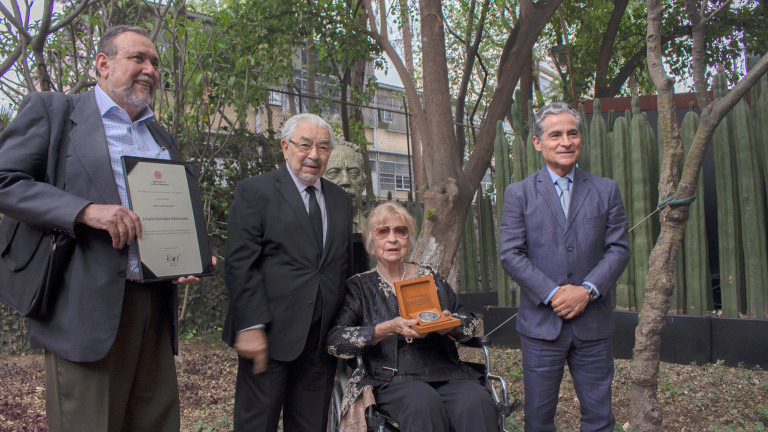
(289, 127)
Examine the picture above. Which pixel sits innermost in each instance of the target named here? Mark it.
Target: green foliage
(732, 32)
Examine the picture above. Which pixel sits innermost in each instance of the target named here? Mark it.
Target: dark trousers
(591, 366)
(456, 405)
(133, 388)
(301, 388)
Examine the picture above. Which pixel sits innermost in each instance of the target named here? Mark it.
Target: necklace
(405, 269)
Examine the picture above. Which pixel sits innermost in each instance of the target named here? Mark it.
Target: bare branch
(159, 22)
(11, 59)
(704, 6)
(16, 23)
(725, 4)
(81, 85)
(191, 72)
(699, 51)
(72, 15)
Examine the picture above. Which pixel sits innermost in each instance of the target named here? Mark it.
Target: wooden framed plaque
(418, 299)
(166, 196)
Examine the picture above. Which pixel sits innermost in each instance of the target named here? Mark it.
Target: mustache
(310, 163)
(144, 79)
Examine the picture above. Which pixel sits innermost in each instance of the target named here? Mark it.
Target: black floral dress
(371, 300)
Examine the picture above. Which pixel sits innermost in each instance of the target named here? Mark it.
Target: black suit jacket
(274, 267)
(87, 311)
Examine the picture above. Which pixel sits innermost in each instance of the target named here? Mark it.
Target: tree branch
(159, 22)
(16, 23)
(72, 15)
(699, 47)
(11, 58)
(81, 85)
(717, 11)
(609, 39)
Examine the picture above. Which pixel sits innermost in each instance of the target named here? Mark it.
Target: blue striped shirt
(127, 138)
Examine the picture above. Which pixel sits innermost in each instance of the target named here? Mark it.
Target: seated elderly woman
(417, 378)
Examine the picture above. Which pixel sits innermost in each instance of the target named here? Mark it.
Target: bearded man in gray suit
(110, 340)
(564, 241)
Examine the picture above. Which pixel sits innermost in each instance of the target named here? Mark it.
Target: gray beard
(130, 97)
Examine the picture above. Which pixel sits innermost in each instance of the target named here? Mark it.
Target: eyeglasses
(323, 149)
(382, 231)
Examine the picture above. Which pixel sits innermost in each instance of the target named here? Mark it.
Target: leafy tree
(645, 410)
(608, 42)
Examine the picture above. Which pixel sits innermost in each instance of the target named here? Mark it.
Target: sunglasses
(382, 231)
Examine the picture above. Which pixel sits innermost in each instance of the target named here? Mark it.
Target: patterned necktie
(315, 218)
(565, 195)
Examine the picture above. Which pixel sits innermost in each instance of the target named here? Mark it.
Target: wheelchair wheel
(334, 408)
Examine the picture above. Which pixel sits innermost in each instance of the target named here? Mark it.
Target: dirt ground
(712, 397)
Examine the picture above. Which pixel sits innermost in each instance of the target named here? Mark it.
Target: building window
(275, 98)
(385, 116)
(394, 176)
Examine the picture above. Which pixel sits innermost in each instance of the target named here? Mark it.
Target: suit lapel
(547, 191)
(579, 193)
(90, 144)
(160, 138)
(329, 196)
(288, 189)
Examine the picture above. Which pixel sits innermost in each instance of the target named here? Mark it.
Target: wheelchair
(379, 421)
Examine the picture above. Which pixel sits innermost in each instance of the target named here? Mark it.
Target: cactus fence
(627, 149)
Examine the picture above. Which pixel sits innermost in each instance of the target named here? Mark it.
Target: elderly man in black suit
(110, 340)
(564, 241)
(289, 242)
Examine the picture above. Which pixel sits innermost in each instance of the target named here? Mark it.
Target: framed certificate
(166, 196)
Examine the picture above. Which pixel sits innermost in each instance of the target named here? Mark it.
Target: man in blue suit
(564, 241)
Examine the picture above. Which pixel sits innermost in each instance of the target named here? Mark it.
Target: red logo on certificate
(158, 175)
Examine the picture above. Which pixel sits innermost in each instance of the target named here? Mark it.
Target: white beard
(130, 97)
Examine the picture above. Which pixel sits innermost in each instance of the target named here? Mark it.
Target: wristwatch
(591, 292)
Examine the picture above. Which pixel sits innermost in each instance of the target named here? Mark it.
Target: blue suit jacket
(540, 250)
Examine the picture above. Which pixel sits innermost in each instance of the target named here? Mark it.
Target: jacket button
(570, 275)
(121, 274)
(321, 272)
(311, 304)
(569, 248)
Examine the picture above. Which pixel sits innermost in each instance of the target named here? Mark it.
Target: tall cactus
(502, 178)
(586, 149)
(698, 283)
(598, 141)
(468, 254)
(622, 173)
(752, 211)
(489, 252)
(729, 224)
(641, 159)
(519, 154)
(533, 156)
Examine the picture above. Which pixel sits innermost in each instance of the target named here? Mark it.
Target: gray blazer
(87, 311)
(540, 249)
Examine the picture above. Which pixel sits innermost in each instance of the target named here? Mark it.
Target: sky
(389, 77)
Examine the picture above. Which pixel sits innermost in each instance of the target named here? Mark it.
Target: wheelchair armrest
(477, 342)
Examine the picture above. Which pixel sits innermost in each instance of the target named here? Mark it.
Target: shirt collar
(555, 176)
(106, 104)
(301, 184)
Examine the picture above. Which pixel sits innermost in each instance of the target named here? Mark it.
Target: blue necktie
(565, 195)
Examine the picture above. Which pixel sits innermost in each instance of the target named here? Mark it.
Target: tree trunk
(645, 411)
(358, 88)
(450, 187)
(419, 173)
